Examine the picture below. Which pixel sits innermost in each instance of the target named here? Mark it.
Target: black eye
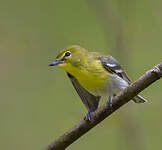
(67, 54)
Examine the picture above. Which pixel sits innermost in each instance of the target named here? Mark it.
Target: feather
(112, 66)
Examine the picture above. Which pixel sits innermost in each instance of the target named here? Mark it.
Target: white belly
(112, 86)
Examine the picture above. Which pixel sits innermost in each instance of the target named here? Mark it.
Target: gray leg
(89, 114)
(110, 100)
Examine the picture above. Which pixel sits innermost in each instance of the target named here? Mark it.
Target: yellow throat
(90, 75)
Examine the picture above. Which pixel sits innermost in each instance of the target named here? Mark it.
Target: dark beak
(55, 62)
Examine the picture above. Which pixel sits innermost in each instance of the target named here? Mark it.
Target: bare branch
(103, 112)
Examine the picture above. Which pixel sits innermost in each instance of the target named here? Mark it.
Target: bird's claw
(89, 115)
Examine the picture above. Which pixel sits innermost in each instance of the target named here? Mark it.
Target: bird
(93, 75)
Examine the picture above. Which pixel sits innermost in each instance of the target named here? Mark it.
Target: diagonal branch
(103, 112)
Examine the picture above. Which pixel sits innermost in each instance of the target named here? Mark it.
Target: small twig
(103, 112)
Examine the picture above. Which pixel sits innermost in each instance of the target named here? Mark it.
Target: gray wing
(90, 101)
(112, 65)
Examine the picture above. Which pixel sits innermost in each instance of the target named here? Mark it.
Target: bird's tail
(139, 99)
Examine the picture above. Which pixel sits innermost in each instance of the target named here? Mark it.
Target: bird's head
(70, 57)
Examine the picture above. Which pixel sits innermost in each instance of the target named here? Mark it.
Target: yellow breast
(90, 81)
(90, 77)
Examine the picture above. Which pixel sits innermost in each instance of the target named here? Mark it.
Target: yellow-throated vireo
(93, 75)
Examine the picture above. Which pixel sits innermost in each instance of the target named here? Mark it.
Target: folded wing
(112, 66)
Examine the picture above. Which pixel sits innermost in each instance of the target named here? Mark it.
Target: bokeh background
(38, 103)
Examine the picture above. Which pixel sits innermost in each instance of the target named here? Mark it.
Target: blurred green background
(38, 103)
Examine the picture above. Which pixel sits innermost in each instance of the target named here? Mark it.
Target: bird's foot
(110, 102)
(89, 115)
